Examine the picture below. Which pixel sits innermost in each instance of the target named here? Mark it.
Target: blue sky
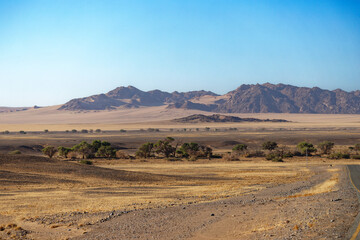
(53, 51)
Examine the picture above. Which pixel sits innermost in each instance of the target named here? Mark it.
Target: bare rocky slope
(195, 118)
(259, 98)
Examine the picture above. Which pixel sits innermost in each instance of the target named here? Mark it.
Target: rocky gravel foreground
(278, 212)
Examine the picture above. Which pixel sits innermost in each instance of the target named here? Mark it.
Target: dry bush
(122, 155)
(231, 157)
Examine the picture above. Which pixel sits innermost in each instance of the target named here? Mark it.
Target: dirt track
(303, 210)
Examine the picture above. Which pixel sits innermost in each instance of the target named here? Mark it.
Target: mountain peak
(247, 98)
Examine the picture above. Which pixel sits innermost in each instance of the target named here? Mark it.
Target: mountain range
(257, 98)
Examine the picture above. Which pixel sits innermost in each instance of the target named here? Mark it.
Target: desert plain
(158, 198)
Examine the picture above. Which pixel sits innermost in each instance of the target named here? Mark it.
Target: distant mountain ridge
(197, 118)
(130, 97)
(257, 98)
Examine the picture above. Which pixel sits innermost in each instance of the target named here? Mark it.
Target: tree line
(169, 148)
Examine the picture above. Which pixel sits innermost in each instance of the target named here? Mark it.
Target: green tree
(326, 147)
(188, 149)
(49, 151)
(269, 145)
(165, 148)
(63, 151)
(145, 150)
(306, 148)
(239, 148)
(84, 148)
(106, 151)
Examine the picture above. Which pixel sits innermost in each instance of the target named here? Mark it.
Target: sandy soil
(122, 199)
(157, 117)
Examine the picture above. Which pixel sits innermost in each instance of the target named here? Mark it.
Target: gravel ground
(272, 213)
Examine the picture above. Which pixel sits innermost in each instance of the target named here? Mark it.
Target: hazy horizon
(54, 51)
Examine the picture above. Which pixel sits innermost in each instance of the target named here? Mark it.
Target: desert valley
(153, 165)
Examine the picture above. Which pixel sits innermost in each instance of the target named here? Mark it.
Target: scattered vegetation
(87, 162)
(22, 132)
(339, 155)
(49, 151)
(15, 152)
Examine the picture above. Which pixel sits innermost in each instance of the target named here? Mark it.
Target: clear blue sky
(53, 51)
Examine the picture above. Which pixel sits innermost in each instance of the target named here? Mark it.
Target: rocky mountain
(131, 97)
(196, 118)
(283, 98)
(259, 98)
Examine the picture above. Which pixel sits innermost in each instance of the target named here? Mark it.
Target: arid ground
(301, 198)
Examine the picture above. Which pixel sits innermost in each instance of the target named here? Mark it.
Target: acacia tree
(188, 149)
(306, 148)
(63, 151)
(106, 151)
(84, 148)
(165, 148)
(326, 147)
(145, 150)
(49, 151)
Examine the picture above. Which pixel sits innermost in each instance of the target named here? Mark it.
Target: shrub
(230, 157)
(355, 156)
(207, 129)
(15, 152)
(74, 131)
(269, 145)
(122, 130)
(87, 162)
(239, 148)
(193, 158)
(274, 156)
(91, 130)
(49, 151)
(46, 131)
(84, 131)
(277, 159)
(6, 132)
(22, 132)
(257, 153)
(98, 130)
(339, 155)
